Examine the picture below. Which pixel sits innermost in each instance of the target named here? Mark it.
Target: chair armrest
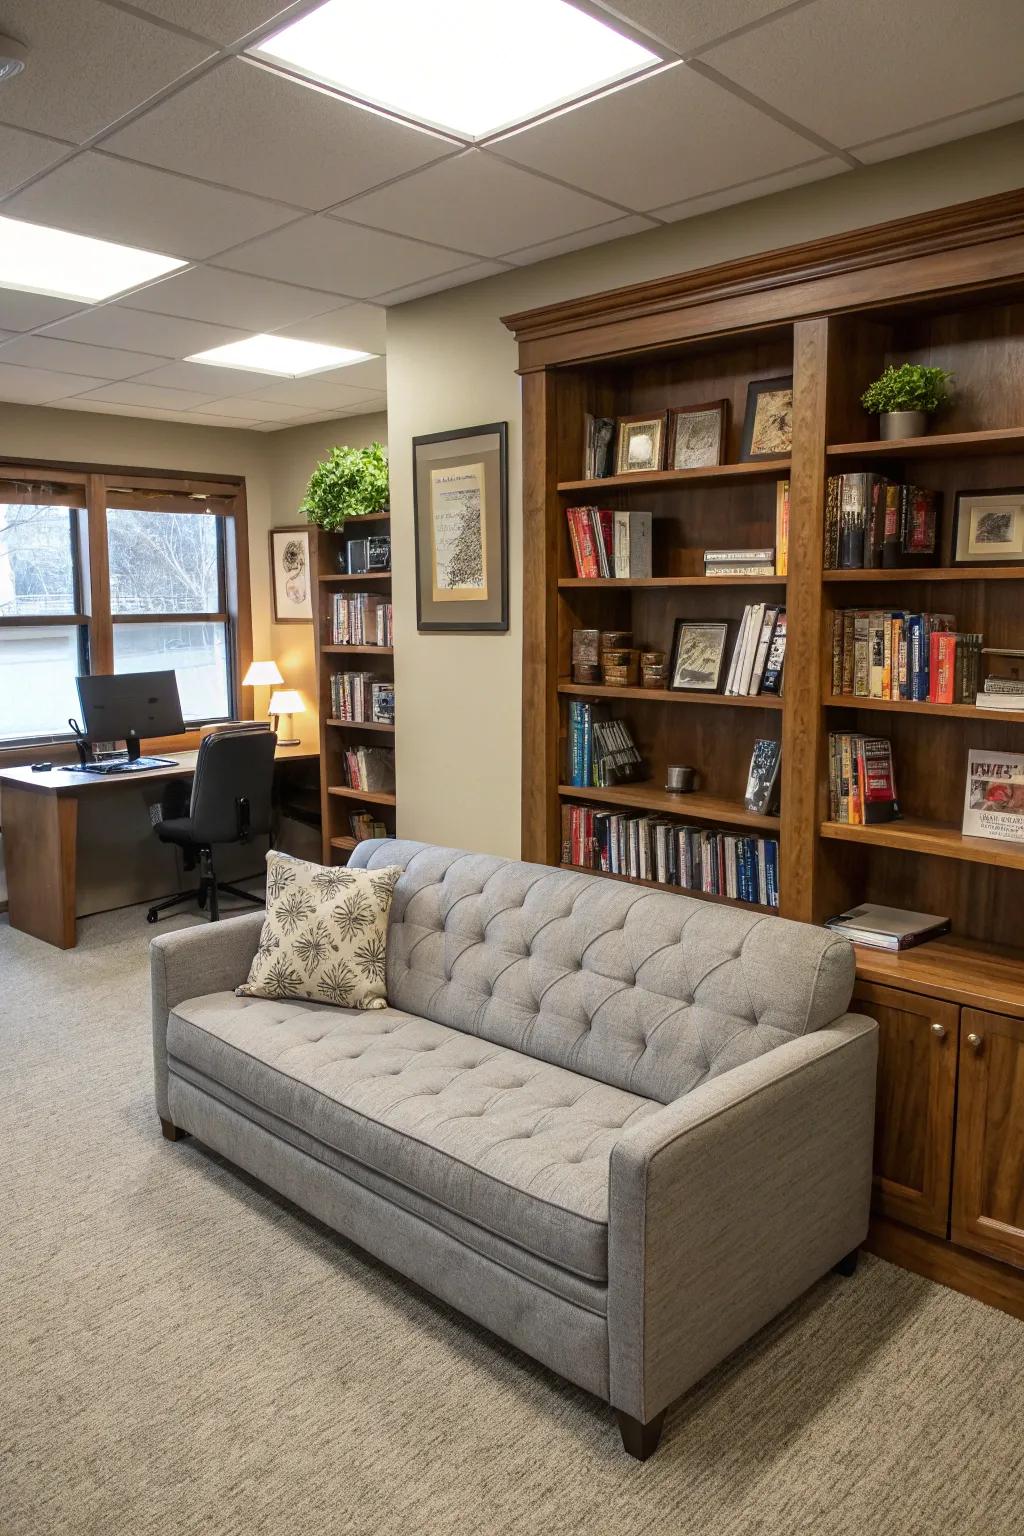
(190, 963)
(728, 1204)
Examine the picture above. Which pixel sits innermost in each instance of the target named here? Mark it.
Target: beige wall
(451, 364)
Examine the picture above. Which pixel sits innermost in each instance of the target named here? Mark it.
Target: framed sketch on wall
(291, 574)
(460, 504)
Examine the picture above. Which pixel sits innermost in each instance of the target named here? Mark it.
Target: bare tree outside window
(37, 572)
(163, 562)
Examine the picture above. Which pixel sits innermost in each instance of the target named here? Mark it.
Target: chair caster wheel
(152, 915)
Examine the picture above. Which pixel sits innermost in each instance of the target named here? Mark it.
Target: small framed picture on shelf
(696, 435)
(994, 798)
(988, 528)
(639, 443)
(698, 650)
(768, 425)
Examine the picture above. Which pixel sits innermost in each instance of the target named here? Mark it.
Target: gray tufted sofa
(621, 1128)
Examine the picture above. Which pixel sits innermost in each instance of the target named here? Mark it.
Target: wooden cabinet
(917, 1059)
(988, 1191)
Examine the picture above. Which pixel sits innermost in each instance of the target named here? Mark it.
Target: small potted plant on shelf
(350, 483)
(904, 397)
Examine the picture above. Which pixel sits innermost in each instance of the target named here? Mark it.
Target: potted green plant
(905, 396)
(350, 482)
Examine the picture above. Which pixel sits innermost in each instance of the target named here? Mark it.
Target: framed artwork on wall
(460, 508)
(291, 574)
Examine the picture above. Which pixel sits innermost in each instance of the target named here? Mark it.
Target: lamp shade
(286, 701)
(261, 674)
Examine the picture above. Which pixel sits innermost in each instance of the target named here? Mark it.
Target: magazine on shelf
(994, 797)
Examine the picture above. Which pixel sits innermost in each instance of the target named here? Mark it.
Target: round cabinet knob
(939, 1031)
(974, 1041)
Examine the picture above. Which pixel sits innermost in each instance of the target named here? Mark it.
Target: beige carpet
(185, 1355)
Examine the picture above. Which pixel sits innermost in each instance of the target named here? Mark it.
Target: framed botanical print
(988, 528)
(460, 504)
(696, 435)
(698, 650)
(291, 575)
(768, 426)
(639, 443)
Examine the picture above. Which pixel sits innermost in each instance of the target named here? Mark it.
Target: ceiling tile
(34, 386)
(132, 393)
(800, 175)
(250, 303)
(371, 374)
(253, 409)
(148, 413)
(630, 224)
(120, 200)
(222, 21)
(471, 274)
(688, 27)
(345, 258)
(363, 327)
(74, 357)
(245, 127)
(207, 378)
(960, 127)
(859, 72)
(24, 311)
(311, 393)
(672, 136)
(25, 154)
(88, 66)
(117, 325)
(476, 203)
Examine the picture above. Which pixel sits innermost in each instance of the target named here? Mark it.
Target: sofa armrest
(728, 1204)
(190, 963)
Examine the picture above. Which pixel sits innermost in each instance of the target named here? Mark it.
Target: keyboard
(124, 766)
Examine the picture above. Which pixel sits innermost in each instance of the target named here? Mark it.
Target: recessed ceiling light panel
(470, 67)
(37, 259)
(281, 355)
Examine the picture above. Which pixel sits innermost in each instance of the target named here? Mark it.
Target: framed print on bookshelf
(696, 435)
(697, 654)
(768, 424)
(639, 443)
(290, 574)
(988, 528)
(460, 513)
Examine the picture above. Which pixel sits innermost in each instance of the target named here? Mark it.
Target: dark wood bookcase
(337, 801)
(944, 289)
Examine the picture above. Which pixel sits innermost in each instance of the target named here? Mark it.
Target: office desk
(39, 813)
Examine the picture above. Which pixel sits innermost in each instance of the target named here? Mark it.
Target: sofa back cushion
(650, 992)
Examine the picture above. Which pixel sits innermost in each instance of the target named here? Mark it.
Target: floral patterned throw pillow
(325, 935)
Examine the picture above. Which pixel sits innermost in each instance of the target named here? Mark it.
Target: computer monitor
(129, 706)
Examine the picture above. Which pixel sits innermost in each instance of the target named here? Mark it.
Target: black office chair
(231, 795)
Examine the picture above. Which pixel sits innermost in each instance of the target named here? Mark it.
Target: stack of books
(861, 780)
(364, 824)
(759, 654)
(739, 562)
(897, 655)
(601, 751)
(872, 522)
(888, 927)
(672, 853)
(361, 618)
(1004, 688)
(369, 768)
(610, 544)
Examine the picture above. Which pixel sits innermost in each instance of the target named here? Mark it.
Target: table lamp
(287, 702)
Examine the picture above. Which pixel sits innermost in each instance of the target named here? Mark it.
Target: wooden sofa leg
(848, 1265)
(171, 1131)
(640, 1440)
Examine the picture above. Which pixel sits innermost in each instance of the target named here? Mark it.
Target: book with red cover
(941, 667)
(604, 518)
(587, 559)
(877, 780)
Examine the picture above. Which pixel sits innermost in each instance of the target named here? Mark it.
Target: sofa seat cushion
(515, 1145)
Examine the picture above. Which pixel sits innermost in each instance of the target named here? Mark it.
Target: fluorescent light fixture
(37, 259)
(470, 67)
(279, 354)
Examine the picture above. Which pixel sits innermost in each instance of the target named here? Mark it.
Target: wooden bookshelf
(337, 800)
(945, 289)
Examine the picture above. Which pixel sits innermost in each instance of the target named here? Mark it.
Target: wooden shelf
(933, 837)
(672, 890)
(908, 706)
(932, 573)
(692, 807)
(343, 576)
(671, 581)
(670, 695)
(940, 445)
(346, 844)
(669, 479)
(363, 725)
(958, 970)
(371, 796)
(358, 650)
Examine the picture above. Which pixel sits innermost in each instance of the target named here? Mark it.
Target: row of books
(361, 696)
(861, 780)
(872, 522)
(897, 655)
(369, 768)
(759, 654)
(672, 853)
(607, 543)
(600, 751)
(361, 618)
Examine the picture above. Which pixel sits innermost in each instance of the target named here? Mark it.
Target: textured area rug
(185, 1354)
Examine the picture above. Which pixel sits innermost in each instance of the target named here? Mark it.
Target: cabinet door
(914, 1107)
(988, 1190)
